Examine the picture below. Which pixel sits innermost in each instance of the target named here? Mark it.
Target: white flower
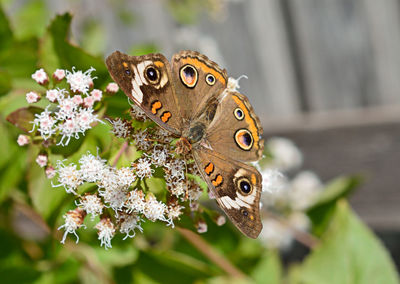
(109, 179)
(77, 99)
(59, 74)
(68, 129)
(299, 221)
(45, 123)
(201, 227)
(194, 192)
(276, 235)
(141, 139)
(52, 95)
(159, 156)
(32, 97)
(305, 188)
(40, 77)
(23, 140)
(137, 113)
(163, 135)
(50, 172)
(135, 202)
(153, 209)
(73, 221)
(80, 81)
(125, 177)
(115, 197)
(273, 180)
(174, 211)
(178, 188)
(91, 167)
(68, 176)
(143, 168)
(41, 160)
(85, 118)
(67, 108)
(121, 128)
(128, 224)
(286, 156)
(233, 84)
(96, 95)
(92, 204)
(88, 102)
(112, 88)
(176, 169)
(106, 231)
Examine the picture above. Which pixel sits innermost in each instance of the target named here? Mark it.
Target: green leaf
(269, 269)
(349, 253)
(23, 117)
(20, 59)
(320, 213)
(5, 31)
(46, 199)
(72, 56)
(31, 20)
(5, 83)
(336, 189)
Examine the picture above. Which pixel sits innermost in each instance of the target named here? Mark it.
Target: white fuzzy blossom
(128, 225)
(112, 88)
(23, 140)
(92, 167)
(80, 81)
(68, 177)
(121, 128)
(143, 168)
(41, 160)
(59, 74)
(73, 221)
(32, 97)
(286, 156)
(154, 209)
(106, 231)
(305, 189)
(40, 76)
(91, 204)
(135, 202)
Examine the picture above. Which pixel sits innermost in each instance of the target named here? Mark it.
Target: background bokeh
(324, 74)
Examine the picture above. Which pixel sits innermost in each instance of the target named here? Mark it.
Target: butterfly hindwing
(237, 188)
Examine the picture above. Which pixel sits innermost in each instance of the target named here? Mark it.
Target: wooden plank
(370, 150)
(383, 21)
(334, 51)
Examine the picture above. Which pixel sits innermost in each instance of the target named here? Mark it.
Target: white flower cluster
(289, 198)
(70, 113)
(118, 189)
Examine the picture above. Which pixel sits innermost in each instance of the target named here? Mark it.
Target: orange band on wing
(217, 181)
(253, 179)
(165, 116)
(252, 123)
(159, 64)
(204, 67)
(209, 168)
(155, 106)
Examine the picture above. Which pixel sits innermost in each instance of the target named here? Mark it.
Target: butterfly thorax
(191, 136)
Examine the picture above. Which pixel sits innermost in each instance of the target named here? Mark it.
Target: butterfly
(190, 98)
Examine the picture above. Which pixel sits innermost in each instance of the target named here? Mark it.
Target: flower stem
(210, 253)
(120, 152)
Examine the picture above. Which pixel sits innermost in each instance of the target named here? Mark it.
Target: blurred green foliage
(31, 210)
